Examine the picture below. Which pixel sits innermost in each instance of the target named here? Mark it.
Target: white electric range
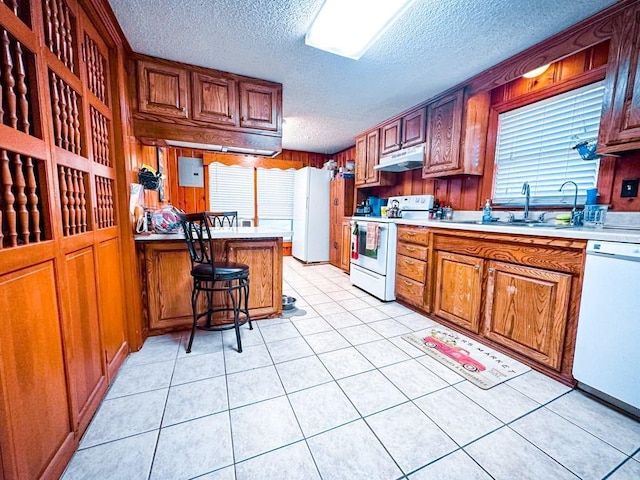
(374, 270)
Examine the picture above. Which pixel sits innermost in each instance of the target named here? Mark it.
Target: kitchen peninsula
(166, 281)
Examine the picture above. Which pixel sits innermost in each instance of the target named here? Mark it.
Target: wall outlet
(629, 187)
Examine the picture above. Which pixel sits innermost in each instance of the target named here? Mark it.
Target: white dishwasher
(607, 356)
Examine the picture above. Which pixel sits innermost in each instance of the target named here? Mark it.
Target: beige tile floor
(337, 394)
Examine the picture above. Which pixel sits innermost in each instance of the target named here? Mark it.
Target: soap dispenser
(486, 212)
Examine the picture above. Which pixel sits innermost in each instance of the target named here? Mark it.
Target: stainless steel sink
(510, 224)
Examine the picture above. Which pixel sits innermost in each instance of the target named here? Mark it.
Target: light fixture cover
(349, 27)
(536, 71)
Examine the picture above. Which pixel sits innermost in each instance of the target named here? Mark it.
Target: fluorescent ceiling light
(349, 27)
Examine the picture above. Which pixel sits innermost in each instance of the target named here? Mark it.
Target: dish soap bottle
(486, 212)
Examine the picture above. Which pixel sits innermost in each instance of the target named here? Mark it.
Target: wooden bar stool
(211, 277)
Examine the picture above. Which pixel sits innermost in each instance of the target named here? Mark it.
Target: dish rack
(594, 215)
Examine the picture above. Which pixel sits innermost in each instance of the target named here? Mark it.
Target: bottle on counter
(486, 212)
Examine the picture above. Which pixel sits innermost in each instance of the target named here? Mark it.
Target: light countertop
(218, 233)
(605, 234)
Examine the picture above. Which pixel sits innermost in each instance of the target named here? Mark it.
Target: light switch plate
(629, 187)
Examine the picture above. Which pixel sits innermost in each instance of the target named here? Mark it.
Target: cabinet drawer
(412, 250)
(414, 235)
(410, 291)
(410, 267)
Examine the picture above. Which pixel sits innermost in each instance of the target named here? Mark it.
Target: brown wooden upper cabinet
(403, 132)
(444, 128)
(391, 137)
(620, 125)
(259, 105)
(367, 157)
(215, 99)
(162, 89)
(373, 157)
(457, 126)
(414, 128)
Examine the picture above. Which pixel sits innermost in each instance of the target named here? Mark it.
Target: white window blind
(535, 145)
(231, 189)
(275, 193)
(275, 197)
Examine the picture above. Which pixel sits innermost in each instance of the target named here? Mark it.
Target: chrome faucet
(576, 217)
(526, 191)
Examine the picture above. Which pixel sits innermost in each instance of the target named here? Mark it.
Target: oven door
(374, 260)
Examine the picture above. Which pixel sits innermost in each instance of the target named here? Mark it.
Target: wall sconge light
(536, 72)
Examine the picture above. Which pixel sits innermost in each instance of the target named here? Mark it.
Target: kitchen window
(535, 145)
(265, 191)
(231, 189)
(275, 198)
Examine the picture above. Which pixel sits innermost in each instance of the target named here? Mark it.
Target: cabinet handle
(411, 234)
(407, 283)
(409, 262)
(490, 270)
(476, 267)
(410, 249)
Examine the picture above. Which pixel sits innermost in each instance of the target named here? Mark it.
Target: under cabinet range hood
(400, 161)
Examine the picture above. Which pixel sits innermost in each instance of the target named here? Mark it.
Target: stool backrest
(197, 234)
(222, 219)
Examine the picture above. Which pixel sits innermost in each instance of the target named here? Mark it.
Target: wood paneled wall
(469, 192)
(192, 199)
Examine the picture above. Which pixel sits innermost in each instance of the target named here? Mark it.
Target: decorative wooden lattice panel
(21, 208)
(15, 108)
(20, 9)
(100, 137)
(96, 67)
(59, 31)
(66, 105)
(105, 208)
(73, 200)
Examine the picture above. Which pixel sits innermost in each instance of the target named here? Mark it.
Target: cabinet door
(335, 237)
(214, 99)
(169, 286)
(34, 412)
(345, 247)
(444, 121)
(162, 90)
(112, 306)
(264, 258)
(259, 106)
(458, 288)
(620, 127)
(526, 310)
(361, 160)
(391, 137)
(373, 155)
(413, 128)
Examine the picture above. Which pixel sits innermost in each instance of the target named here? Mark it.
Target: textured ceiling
(328, 99)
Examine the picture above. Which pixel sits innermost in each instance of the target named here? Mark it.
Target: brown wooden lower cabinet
(168, 283)
(517, 293)
(345, 251)
(458, 289)
(412, 252)
(526, 309)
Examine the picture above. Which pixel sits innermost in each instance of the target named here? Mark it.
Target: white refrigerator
(310, 241)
